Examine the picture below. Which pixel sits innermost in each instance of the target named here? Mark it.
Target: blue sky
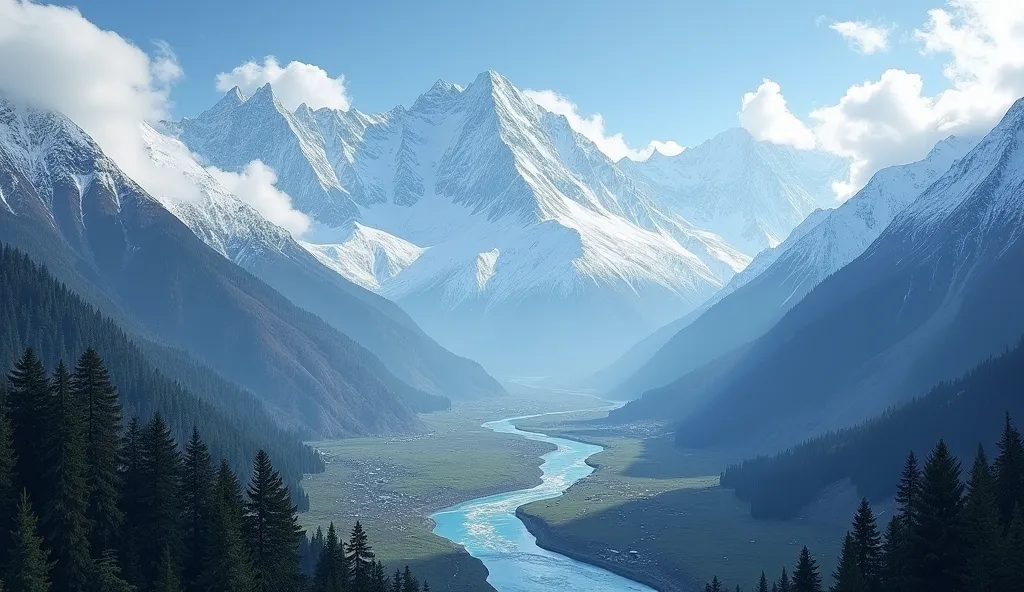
(662, 69)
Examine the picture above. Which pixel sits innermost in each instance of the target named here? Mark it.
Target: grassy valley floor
(657, 511)
(392, 484)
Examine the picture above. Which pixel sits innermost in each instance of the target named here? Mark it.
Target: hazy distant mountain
(508, 236)
(71, 207)
(780, 277)
(935, 294)
(239, 233)
(752, 194)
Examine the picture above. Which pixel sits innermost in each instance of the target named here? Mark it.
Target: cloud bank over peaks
(294, 84)
(256, 185)
(889, 121)
(592, 127)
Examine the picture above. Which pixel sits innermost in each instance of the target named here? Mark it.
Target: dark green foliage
(379, 578)
(64, 526)
(965, 411)
(167, 579)
(360, 558)
(937, 542)
(762, 584)
(982, 528)
(409, 582)
(1011, 576)
(330, 575)
(908, 491)
(30, 403)
(396, 582)
(714, 585)
(896, 556)
(160, 504)
(868, 546)
(271, 530)
(44, 315)
(426, 587)
(101, 416)
(226, 567)
(29, 568)
(8, 489)
(107, 575)
(806, 577)
(847, 577)
(132, 477)
(197, 502)
(783, 583)
(1008, 470)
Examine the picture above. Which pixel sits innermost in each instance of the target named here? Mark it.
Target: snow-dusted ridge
(475, 209)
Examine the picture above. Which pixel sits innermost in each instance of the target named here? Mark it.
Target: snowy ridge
(475, 201)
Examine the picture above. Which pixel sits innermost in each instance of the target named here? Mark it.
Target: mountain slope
(780, 277)
(239, 233)
(750, 193)
(69, 206)
(934, 295)
(503, 232)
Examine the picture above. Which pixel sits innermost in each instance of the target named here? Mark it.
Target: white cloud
(256, 186)
(864, 37)
(592, 127)
(56, 59)
(293, 84)
(765, 115)
(892, 121)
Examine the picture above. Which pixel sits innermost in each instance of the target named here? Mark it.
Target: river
(489, 529)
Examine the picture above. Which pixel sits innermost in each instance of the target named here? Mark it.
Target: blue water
(488, 528)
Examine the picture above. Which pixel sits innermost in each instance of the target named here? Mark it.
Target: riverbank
(666, 505)
(393, 484)
(547, 539)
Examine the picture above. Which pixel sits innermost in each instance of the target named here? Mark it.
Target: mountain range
(504, 233)
(933, 295)
(69, 206)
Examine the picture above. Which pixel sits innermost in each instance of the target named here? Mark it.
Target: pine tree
(1011, 571)
(762, 585)
(167, 579)
(1008, 470)
(197, 500)
(895, 556)
(908, 491)
(868, 545)
(8, 496)
(847, 575)
(271, 530)
(396, 582)
(379, 578)
(227, 568)
(132, 478)
(982, 527)
(64, 525)
(426, 587)
(784, 584)
(409, 582)
(101, 412)
(107, 575)
(806, 577)
(714, 585)
(360, 558)
(161, 503)
(938, 548)
(30, 402)
(328, 576)
(29, 569)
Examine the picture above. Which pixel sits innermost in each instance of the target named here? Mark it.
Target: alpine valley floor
(652, 509)
(392, 484)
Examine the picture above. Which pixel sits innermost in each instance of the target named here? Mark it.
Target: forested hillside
(964, 412)
(38, 312)
(953, 530)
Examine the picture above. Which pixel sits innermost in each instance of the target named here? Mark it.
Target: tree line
(946, 535)
(39, 312)
(89, 504)
(964, 411)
